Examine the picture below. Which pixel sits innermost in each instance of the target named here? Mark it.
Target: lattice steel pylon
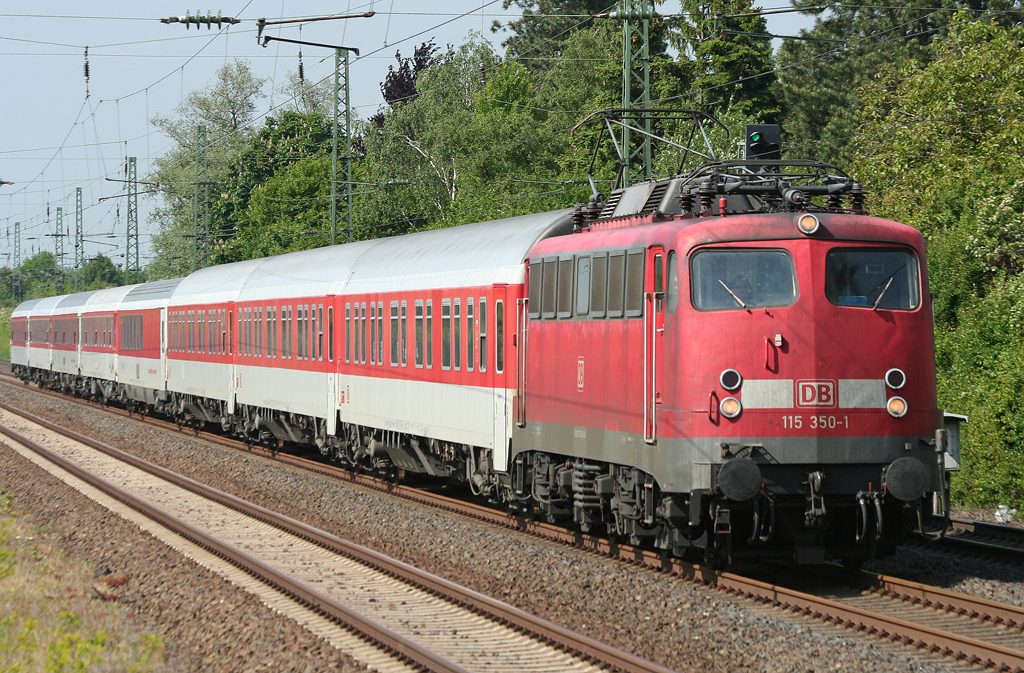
(342, 99)
(201, 234)
(635, 16)
(132, 269)
(16, 276)
(58, 247)
(636, 85)
(79, 241)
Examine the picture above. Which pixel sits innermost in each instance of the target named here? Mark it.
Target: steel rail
(935, 640)
(297, 591)
(485, 605)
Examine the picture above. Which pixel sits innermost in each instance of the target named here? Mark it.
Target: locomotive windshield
(873, 278)
(740, 279)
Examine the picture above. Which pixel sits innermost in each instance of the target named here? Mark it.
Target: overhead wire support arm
(341, 63)
(262, 23)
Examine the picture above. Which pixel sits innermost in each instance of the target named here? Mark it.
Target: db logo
(579, 375)
(816, 393)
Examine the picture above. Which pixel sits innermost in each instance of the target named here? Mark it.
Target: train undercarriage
(805, 525)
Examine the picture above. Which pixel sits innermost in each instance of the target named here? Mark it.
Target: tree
(545, 25)
(284, 140)
(819, 81)
(227, 109)
(726, 71)
(99, 272)
(953, 166)
(39, 276)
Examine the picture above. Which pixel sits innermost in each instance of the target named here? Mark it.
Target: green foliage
(290, 211)
(226, 108)
(726, 71)
(819, 80)
(545, 25)
(5, 332)
(951, 165)
(271, 156)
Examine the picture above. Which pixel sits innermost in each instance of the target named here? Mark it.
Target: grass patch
(5, 333)
(52, 617)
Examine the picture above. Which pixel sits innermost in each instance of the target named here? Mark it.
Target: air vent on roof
(609, 206)
(654, 200)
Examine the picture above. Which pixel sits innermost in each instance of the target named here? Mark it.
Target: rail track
(424, 620)
(956, 625)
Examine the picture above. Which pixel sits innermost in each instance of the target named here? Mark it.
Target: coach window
(430, 334)
(394, 334)
(483, 334)
(373, 334)
(355, 333)
(259, 332)
(348, 332)
(634, 284)
(320, 332)
(536, 280)
(380, 332)
(457, 340)
(330, 333)
(582, 286)
(284, 333)
(231, 332)
(418, 327)
(309, 316)
(315, 332)
(564, 300)
(313, 329)
(499, 332)
(549, 289)
(598, 284)
(672, 287)
(405, 338)
(301, 333)
(362, 358)
(470, 335)
(446, 334)
(191, 331)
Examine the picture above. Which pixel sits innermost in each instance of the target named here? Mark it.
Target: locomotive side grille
(609, 206)
(654, 200)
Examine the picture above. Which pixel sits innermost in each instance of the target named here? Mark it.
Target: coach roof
(469, 255)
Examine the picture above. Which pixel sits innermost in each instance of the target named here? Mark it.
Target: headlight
(730, 379)
(807, 224)
(730, 407)
(895, 378)
(897, 407)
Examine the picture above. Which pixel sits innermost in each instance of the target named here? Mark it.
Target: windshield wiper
(738, 300)
(881, 294)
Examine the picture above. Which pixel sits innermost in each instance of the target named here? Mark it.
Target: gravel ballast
(665, 619)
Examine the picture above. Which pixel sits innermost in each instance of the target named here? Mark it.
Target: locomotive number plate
(815, 422)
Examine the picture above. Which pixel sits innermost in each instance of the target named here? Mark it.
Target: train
(735, 363)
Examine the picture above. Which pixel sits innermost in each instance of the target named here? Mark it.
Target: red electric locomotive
(726, 367)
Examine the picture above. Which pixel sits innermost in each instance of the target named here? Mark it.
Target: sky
(59, 132)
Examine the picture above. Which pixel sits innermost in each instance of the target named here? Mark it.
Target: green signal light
(756, 137)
